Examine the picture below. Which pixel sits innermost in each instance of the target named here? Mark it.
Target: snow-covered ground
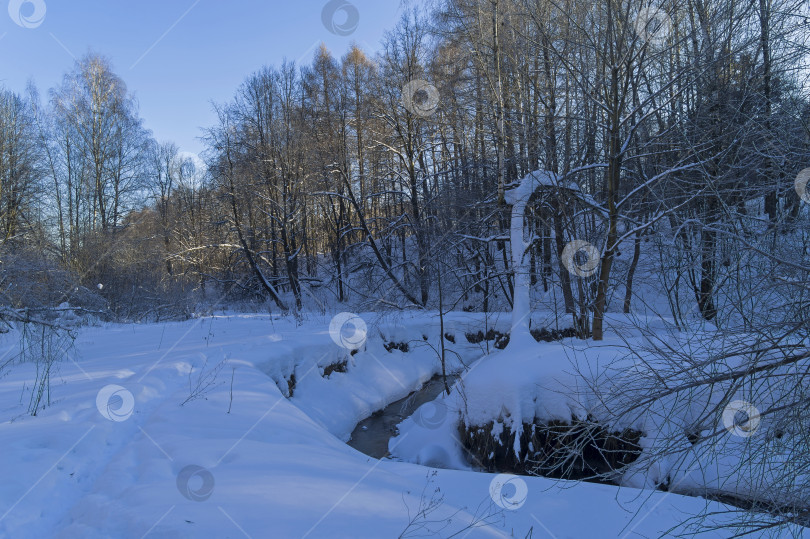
(122, 450)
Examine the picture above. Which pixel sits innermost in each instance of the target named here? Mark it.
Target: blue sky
(207, 48)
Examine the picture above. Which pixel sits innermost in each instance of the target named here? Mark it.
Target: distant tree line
(362, 179)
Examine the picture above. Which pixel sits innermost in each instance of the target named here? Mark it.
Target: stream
(371, 435)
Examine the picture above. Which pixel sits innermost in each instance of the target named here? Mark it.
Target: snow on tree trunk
(518, 198)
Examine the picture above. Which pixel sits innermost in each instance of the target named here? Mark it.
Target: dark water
(371, 435)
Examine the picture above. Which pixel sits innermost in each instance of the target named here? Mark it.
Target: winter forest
(523, 268)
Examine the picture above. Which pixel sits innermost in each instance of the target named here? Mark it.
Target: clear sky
(177, 56)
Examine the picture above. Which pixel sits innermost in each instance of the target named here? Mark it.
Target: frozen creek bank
(243, 459)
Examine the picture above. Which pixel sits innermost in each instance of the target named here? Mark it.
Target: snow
(544, 382)
(518, 198)
(273, 465)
